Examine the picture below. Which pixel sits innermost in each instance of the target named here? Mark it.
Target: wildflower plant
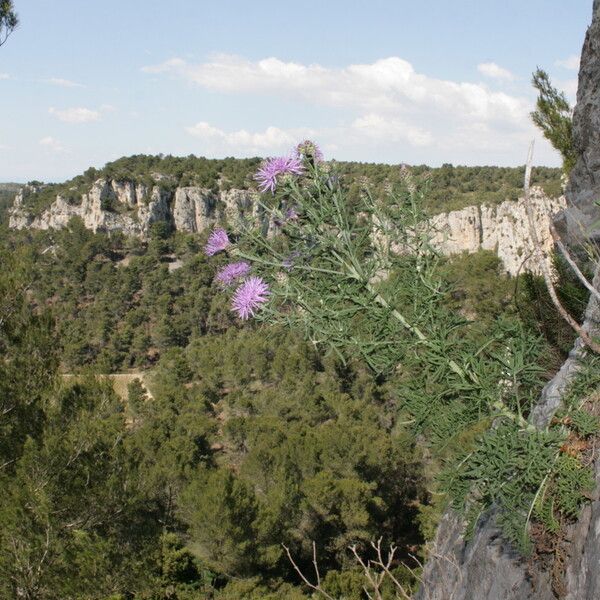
(233, 272)
(217, 242)
(249, 296)
(363, 280)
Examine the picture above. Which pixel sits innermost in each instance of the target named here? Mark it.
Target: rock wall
(503, 228)
(485, 568)
(582, 219)
(124, 206)
(130, 208)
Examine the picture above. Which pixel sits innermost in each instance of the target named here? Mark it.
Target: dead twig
(585, 338)
(317, 588)
(567, 256)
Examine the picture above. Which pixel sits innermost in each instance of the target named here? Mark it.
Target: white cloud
(389, 84)
(386, 104)
(75, 115)
(67, 83)
(272, 139)
(4, 76)
(376, 127)
(571, 62)
(495, 71)
(52, 144)
(165, 66)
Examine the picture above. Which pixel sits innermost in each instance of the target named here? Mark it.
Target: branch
(586, 339)
(385, 565)
(312, 586)
(375, 581)
(567, 256)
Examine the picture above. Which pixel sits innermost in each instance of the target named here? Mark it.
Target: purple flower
(289, 261)
(291, 214)
(229, 273)
(309, 150)
(272, 168)
(217, 241)
(249, 296)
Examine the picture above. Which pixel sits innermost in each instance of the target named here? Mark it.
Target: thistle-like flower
(289, 261)
(273, 168)
(231, 272)
(291, 214)
(249, 296)
(217, 241)
(309, 150)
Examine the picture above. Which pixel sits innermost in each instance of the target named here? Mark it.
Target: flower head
(310, 151)
(229, 273)
(291, 214)
(217, 241)
(272, 168)
(289, 261)
(249, 296)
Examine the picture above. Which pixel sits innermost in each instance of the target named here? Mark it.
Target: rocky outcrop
(123, 206)
(192, 209)
(503, 229)
(582, 219)
(485, 568)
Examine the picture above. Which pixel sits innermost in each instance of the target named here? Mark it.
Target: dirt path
(120, 381)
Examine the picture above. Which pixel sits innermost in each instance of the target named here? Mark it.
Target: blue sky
(435, 81)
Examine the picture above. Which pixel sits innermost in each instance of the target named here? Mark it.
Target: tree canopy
(554, 116)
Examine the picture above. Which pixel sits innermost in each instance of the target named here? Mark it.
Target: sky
(430, 82)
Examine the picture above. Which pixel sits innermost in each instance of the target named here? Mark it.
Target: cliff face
(583, 217)
(484, 568)
(123, 206)
(503, 228)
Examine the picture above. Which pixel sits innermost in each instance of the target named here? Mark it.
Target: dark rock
(582, 219)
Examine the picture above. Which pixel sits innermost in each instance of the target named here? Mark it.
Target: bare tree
(375, 572)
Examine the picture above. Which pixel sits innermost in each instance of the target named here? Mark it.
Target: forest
(452, 187)
(234, 440)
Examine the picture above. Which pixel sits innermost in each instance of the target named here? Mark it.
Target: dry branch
(586, 339)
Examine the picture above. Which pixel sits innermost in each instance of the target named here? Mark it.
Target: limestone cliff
(583, 217)
(124, 206)
(503, 228)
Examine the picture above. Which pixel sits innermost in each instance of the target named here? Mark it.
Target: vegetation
(554, 116)
(250, 440)
(452, 187)
(7, 197)
(8, 20)
(253, 437)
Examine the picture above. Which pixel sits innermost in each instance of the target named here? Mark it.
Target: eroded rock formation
(503, 229)
(124, 206)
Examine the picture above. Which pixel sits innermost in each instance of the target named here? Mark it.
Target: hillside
(7, 196)
(451, 187)
(252, 437)
(131, 196)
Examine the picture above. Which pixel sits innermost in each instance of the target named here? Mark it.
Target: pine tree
(554, 116)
